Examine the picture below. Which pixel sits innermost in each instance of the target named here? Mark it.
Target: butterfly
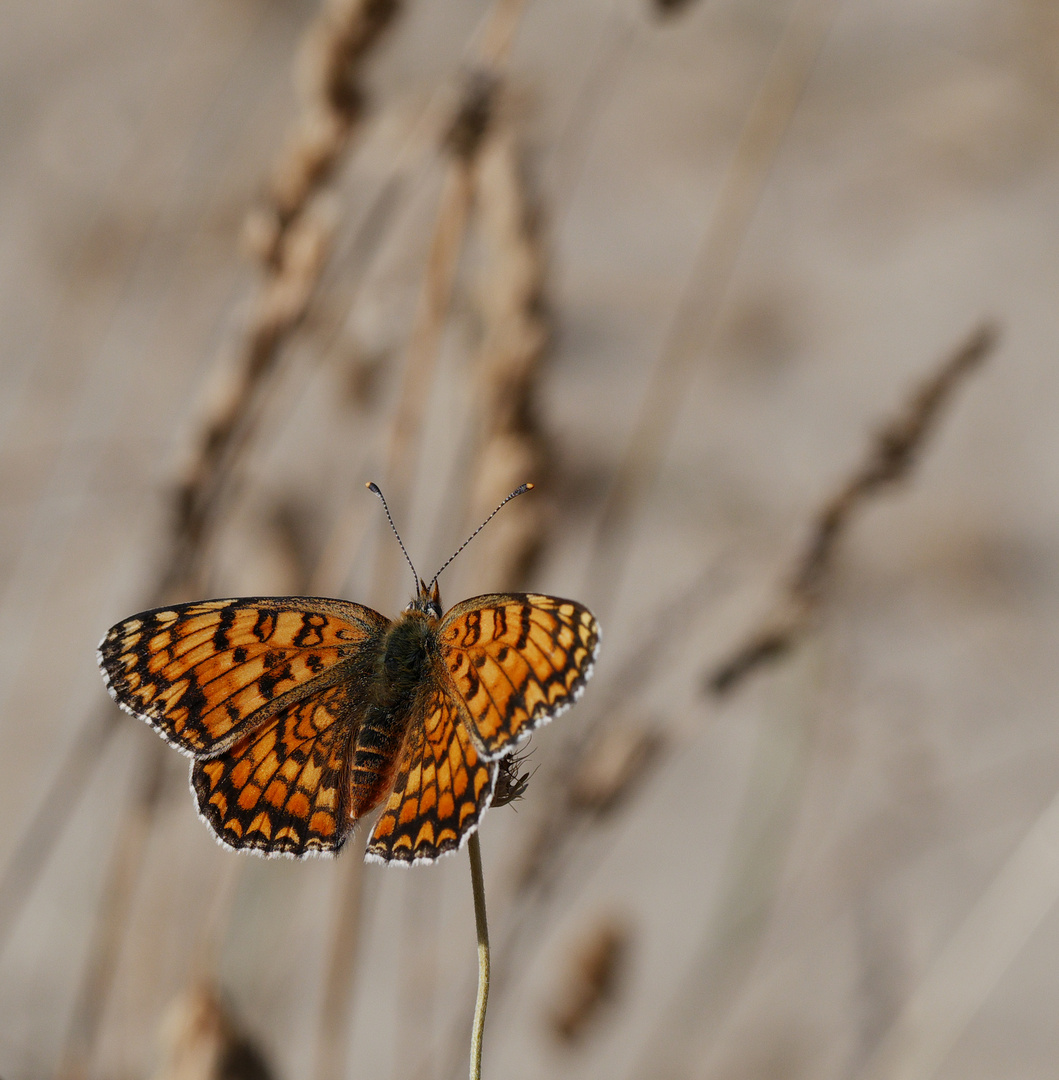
(302, 714)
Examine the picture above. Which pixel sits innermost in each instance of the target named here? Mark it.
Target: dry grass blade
(967, 971)
(332, 52)
(693, 323)
(722, 963)
(463, 141)
(292, 243)
(890, 459)
(446, 244)
(294, 260)
(226, 425)
(606, 763)
(333, 1037)
(37, 839)
(602, 770)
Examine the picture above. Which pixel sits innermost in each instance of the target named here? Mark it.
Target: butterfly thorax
(406, 658)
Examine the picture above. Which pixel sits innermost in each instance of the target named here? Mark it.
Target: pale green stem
(474, 849)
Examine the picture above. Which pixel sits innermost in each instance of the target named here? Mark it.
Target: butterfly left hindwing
(283, 788)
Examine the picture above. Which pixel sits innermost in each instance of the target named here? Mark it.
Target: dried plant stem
(293, 257)
(446, 244)
(499, 33)
(512, 447)
(293, 260)
(890, 459)
(566, 820)
(292, 244)
(720, 965)
(474, 850)
(463, 141)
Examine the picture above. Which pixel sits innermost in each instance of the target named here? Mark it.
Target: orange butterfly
(302, 713)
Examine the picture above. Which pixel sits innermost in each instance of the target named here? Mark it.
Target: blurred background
(679, 264)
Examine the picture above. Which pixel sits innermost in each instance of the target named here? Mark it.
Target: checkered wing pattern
(516, 661)
(283, 789)
(443, 786)
(205, 675)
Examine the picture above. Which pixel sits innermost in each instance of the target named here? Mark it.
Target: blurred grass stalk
(464, 191)
(967, 970)
(682, 1043)
(761, 136)
(697, 311)
(292, 261)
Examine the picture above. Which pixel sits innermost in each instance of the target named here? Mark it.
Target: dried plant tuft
(890, 460)
(615, 762)
(515, 337)
(511, 779)
(593, 980)
(201, 1041)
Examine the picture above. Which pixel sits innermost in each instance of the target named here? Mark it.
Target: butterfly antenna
(373, 487)
(514, 495)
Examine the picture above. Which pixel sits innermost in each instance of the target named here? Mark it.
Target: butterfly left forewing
(204, 674)
(516, 661)
(443, 786)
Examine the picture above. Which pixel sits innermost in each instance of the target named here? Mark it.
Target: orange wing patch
(283, 788)
(442, 788)
(516, 661)
(205, 674)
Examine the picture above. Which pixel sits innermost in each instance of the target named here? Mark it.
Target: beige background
(847, 869)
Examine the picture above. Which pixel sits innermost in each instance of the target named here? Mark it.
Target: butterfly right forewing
(515, 661)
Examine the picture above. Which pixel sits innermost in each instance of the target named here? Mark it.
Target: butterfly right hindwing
(443, 787)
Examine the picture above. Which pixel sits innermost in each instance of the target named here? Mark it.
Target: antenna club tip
(528, 487)
(372, 486)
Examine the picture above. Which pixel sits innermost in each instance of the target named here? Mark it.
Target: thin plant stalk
(474, 849)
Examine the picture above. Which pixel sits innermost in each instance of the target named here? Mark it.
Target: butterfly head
(428, 600)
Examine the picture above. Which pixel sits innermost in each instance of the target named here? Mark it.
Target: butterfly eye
(426, 605)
